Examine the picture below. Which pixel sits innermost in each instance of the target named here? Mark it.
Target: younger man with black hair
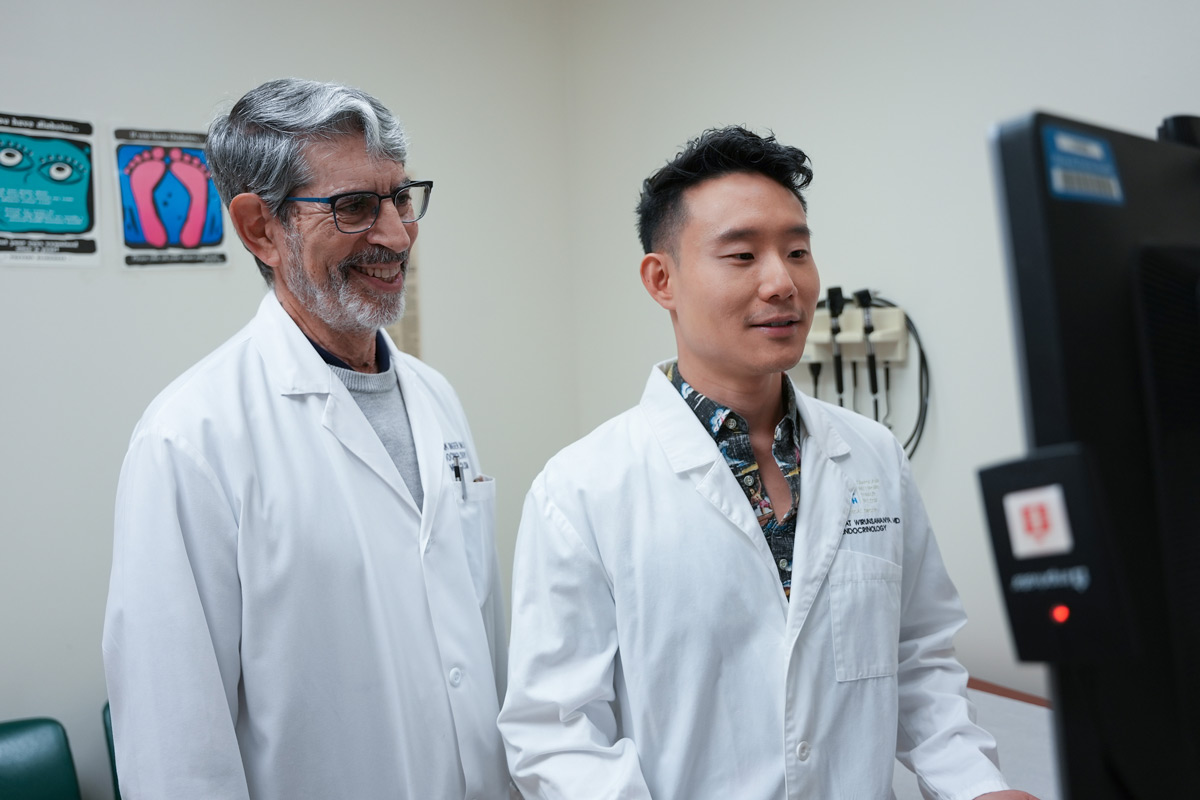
(696, 612)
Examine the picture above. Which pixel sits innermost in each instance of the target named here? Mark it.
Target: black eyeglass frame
(332, 200)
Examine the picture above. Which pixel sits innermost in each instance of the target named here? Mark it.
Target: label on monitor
(1038, 524)
(1080, 167)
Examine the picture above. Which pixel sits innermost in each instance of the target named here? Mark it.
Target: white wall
(894, 102)
(539, 119)
(480, 87)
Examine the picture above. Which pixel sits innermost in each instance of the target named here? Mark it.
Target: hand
(1011, 794)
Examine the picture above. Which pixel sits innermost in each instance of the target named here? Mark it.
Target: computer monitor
(1097, 532)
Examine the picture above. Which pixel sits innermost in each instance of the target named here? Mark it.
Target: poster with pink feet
(170, 211)
(47, 196)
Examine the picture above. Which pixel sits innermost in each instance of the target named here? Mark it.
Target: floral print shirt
(732, 435)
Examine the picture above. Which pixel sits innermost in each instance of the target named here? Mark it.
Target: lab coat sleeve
(172, 627)
(558, 722)
(952, 757)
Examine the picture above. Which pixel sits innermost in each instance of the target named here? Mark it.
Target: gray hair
(259, 145)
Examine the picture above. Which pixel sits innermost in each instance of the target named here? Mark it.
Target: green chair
(112, 751)
(35, 761)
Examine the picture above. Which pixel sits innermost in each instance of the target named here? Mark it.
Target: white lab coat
(283, 622)
(654, 654)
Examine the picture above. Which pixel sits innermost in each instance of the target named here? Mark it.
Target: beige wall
(894, 102)
(538, 119)
(480, 87)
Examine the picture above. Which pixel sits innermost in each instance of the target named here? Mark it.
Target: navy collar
(383, 356)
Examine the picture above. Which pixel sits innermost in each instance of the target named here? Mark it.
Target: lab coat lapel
(720, 488)
(688, 447)
(825, 493)
(295, 368)
(429, 438)
(345, 420)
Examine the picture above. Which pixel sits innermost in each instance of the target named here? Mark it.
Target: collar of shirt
(722, 422)
(383, 356)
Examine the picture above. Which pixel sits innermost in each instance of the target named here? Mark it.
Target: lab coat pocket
(864, 599)
(477, 515)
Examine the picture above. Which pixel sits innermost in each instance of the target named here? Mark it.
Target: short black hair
(712, 154)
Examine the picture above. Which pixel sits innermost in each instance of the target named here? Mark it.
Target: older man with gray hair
(304, 599)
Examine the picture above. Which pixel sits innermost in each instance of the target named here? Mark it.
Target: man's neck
(758, 399)
(356, 349)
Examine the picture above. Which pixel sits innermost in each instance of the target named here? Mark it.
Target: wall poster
(47, 194)
(170, 211)
(406, 332)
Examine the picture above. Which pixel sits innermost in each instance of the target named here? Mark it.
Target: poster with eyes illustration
(170, 210)
(46, 191)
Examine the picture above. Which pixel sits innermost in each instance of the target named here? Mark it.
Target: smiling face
(740, 282)
(336, 283)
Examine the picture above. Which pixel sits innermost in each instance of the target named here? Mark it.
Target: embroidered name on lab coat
(456, 455)
(869, 525)
(864, 510)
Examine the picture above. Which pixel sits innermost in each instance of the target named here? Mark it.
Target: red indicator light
(1060, 614)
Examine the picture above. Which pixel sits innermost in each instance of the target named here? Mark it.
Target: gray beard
(335, 302)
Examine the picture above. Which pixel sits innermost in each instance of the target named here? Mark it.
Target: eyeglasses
(356, 212)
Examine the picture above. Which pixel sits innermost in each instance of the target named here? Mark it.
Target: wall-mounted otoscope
(869, 328)
(863, 298)
(835, 303)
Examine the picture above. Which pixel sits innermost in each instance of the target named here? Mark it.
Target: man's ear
(657, 279)
(258, 228)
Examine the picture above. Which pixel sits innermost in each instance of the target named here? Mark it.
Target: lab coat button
(455, 676)
(802, 751)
